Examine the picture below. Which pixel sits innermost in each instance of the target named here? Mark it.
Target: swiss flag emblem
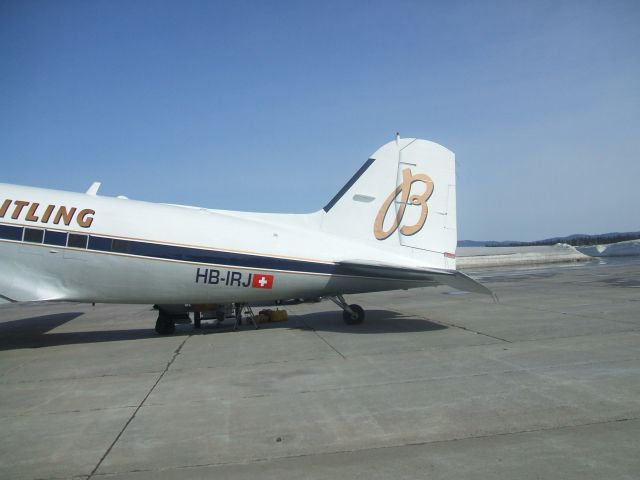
(262, 281)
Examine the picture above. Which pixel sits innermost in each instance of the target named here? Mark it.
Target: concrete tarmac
(435, 384)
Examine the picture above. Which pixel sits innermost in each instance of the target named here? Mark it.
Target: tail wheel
(355, 318)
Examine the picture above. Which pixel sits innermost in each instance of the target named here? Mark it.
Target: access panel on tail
(403, 199)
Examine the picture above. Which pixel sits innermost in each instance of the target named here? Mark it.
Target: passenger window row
(62, 239)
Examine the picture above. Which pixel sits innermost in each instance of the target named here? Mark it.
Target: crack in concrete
(135, 412)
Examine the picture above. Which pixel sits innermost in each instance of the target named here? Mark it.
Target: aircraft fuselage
(57, 245)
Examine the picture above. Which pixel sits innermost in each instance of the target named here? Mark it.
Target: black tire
(165, 325)
(359, 315)
(197, 320)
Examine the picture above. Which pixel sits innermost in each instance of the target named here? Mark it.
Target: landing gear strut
(352, 314)
(165, 325)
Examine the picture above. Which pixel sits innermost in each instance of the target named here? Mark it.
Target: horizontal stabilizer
(452, 278)
(4, 299)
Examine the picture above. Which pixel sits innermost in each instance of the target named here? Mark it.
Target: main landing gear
(165, 324)
(170, 315)
(352, 314)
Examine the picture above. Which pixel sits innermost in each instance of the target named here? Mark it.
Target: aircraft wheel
(197, 320)
(355, 319)
(165, 325)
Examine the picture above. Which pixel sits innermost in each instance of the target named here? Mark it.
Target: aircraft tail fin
(402, 199)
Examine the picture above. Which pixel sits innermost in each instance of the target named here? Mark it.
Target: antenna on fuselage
(93, 189)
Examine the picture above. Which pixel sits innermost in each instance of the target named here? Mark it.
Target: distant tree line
(575, 240)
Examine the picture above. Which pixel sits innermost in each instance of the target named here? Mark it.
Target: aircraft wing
(452, 278)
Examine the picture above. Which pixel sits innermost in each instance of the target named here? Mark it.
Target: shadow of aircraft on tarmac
(376, 322)
(35, 332)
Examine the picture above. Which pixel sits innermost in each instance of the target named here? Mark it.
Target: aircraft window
(55, 238)
(99, 243)
(9, 232)
(33, 235)
(77, 240)
(120, 246)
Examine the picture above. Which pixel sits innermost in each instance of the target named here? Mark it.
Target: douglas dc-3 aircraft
(392, 226)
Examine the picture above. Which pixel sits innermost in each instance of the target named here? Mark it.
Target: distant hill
(473, 243)
(577, 239)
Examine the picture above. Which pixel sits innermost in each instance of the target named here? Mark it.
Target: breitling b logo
(404, 190)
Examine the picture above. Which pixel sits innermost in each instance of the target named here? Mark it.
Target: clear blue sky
(271, 106)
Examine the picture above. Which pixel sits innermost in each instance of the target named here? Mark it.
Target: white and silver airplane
(392, 226)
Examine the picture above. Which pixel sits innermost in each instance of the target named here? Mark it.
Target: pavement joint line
(436, 348)
(474, 331)
(543, 367)
(323, 339)
(439, 322)
(369, 354)
(78, 476)
(580, 315)
(252, 364)
(63, 412)
(360, 450)
(133, 415)
(623, 322)
(539, 370)
(564, 337)
(88, 377)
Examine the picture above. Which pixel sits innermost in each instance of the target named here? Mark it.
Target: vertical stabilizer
(402, 199)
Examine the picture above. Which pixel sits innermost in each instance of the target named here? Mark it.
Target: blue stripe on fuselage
(199, 255)
(139, 248)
